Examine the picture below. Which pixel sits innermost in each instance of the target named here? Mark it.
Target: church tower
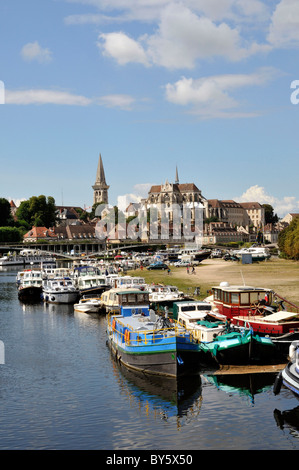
(100, 188)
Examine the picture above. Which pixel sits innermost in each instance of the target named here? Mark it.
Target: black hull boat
(30, 294)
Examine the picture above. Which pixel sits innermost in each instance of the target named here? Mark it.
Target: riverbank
(278, 274)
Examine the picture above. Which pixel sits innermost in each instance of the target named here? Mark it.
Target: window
(235, 298)
(245, 298)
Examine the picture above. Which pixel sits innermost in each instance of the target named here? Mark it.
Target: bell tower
(100, 188)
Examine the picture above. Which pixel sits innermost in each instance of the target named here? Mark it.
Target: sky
(211, 87)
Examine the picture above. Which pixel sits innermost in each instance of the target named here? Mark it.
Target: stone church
(176, 194)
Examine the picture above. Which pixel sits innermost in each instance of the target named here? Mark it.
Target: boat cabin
(130, 301)
(240, 300)
(190, 306)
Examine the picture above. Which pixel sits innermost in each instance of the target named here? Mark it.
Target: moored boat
(60, 290)
(256, 253)
(241, 348)
(144, 341)
(89, 280)
(289, 376)
(30, 286)
(88, 305)
(260, 307)
(220, 341)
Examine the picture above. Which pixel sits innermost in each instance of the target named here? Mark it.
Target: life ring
(127, 336)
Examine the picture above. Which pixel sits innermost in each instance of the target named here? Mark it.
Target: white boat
(257, 253)
(198, 317)
(161, 293)
(23, 260)
(30, 285)
(289, 376)
(129, 282)
(90, 280)
(60, 291)
(88, 305)
(193, 255)
(110, 299)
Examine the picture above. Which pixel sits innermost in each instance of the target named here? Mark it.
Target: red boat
(256, 307)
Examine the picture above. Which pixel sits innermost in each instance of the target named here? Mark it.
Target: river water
(61, 389)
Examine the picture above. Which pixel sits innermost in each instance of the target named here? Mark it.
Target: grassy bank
(278, 274)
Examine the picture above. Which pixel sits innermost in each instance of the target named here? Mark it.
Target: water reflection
(161, 397)
(245, 385)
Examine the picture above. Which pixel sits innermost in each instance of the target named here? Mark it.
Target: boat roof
(238, 288)
(127, 290)
(280, 316)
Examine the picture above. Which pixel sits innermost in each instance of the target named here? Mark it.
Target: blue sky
(150, 84)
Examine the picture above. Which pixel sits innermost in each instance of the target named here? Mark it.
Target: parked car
(180, 264)
(158, 265)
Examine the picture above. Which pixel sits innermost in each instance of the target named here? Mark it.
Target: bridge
(91, 247)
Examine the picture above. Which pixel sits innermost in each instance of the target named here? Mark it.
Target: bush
(10, 234)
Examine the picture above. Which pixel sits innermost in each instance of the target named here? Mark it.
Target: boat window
(235, 298)
(217, 294)
(140, 297)
(245, 298)
(131, 298)
(190, 308)
(254, 296)
(226, 297)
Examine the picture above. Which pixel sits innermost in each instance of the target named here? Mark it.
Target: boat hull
(60, 297)
(242, 350)
(31, 293)
(290, 378)
(169, 363)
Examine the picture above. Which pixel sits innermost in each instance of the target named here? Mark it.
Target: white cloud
(25, 97)
(124, 200)
(211, 96)
(40, 97)
(122, 48)
(117, 101)
(183, 38)
(281, 206)
(33, 51)
(284, 28)
(140, 191)
(186, 31)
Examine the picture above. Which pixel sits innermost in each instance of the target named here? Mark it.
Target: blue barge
(146, 342)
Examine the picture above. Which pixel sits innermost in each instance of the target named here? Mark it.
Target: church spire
(100, 188)
(100, 178)
(176, 176)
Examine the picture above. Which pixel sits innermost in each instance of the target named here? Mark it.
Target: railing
(146, 337)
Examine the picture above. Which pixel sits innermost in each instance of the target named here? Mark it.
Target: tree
(5, 215)
(38, 211)
(270, 217)
(288, 240)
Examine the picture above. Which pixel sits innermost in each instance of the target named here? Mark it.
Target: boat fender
(113, 324)
(292, 350)
(277, 384)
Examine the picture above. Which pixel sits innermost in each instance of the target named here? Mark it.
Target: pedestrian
(187, 269)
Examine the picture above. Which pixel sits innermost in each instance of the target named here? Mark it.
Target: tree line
(37, 211)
